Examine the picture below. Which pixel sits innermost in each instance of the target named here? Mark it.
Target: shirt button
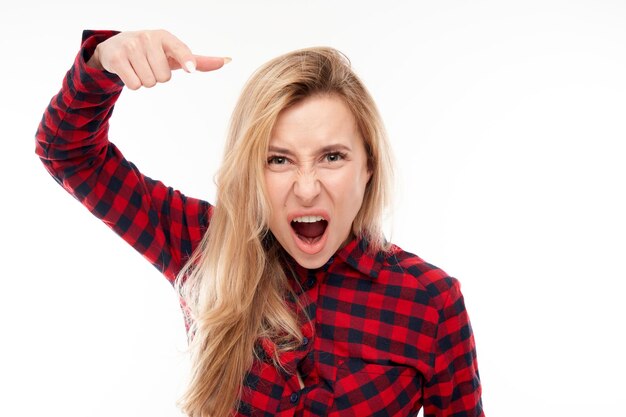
(294, 397)
(311, 282)
(305, 341)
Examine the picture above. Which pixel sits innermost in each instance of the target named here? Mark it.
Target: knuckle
(165, 77)
(179, 48)
(133, 85)
(131, 45)
(116, 59)
(144, 37)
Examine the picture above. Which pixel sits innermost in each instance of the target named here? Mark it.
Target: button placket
(294, 397)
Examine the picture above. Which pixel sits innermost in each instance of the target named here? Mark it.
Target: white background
(507, 120)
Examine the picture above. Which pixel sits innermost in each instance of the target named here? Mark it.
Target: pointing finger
(210, 63)
(201, 63)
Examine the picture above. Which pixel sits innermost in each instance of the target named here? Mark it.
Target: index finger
(200, 63)
(180, 56)
(210, 63)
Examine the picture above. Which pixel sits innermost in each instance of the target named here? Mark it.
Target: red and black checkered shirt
(389, 334)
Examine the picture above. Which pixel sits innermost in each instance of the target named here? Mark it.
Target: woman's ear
(370, 168)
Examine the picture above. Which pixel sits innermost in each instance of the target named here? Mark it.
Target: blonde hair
(234, 286)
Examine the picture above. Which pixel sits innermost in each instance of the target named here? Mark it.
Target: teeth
(308, 219)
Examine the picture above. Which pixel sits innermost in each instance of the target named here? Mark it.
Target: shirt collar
(356, 254)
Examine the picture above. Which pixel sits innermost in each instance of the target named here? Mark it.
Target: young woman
(295, 303)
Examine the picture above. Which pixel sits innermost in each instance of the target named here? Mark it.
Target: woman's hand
(144, 58)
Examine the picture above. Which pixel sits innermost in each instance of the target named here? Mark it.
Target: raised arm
(72, 142)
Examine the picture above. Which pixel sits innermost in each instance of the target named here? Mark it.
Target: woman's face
(316, 175)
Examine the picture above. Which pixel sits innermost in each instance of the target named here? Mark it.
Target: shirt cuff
(85, 79)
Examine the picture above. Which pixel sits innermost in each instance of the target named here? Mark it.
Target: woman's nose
(307, 187)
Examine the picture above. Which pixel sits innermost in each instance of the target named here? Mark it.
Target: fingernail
(227, 59)
(191, 67)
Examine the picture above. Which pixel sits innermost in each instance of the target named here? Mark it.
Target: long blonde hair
(234, 286)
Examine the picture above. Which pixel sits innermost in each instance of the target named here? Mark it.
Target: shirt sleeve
(72, 142)
(454, 389)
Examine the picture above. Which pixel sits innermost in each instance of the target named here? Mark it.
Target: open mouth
(309, 229)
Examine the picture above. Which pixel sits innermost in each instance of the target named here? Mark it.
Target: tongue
(309, 230)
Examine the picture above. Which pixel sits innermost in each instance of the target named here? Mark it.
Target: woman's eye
(334, 156)
(277, 160)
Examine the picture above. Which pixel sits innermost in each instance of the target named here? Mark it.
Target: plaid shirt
(389, 333)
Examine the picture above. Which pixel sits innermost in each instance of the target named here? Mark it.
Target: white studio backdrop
(507, 121)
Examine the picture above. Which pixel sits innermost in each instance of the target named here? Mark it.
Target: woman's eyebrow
(328, 148)
(276, 149)
(335, 148)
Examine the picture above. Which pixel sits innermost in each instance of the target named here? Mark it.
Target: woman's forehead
(315, 122)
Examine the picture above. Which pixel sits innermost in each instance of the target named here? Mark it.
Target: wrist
(94, 60)
(87, 74)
